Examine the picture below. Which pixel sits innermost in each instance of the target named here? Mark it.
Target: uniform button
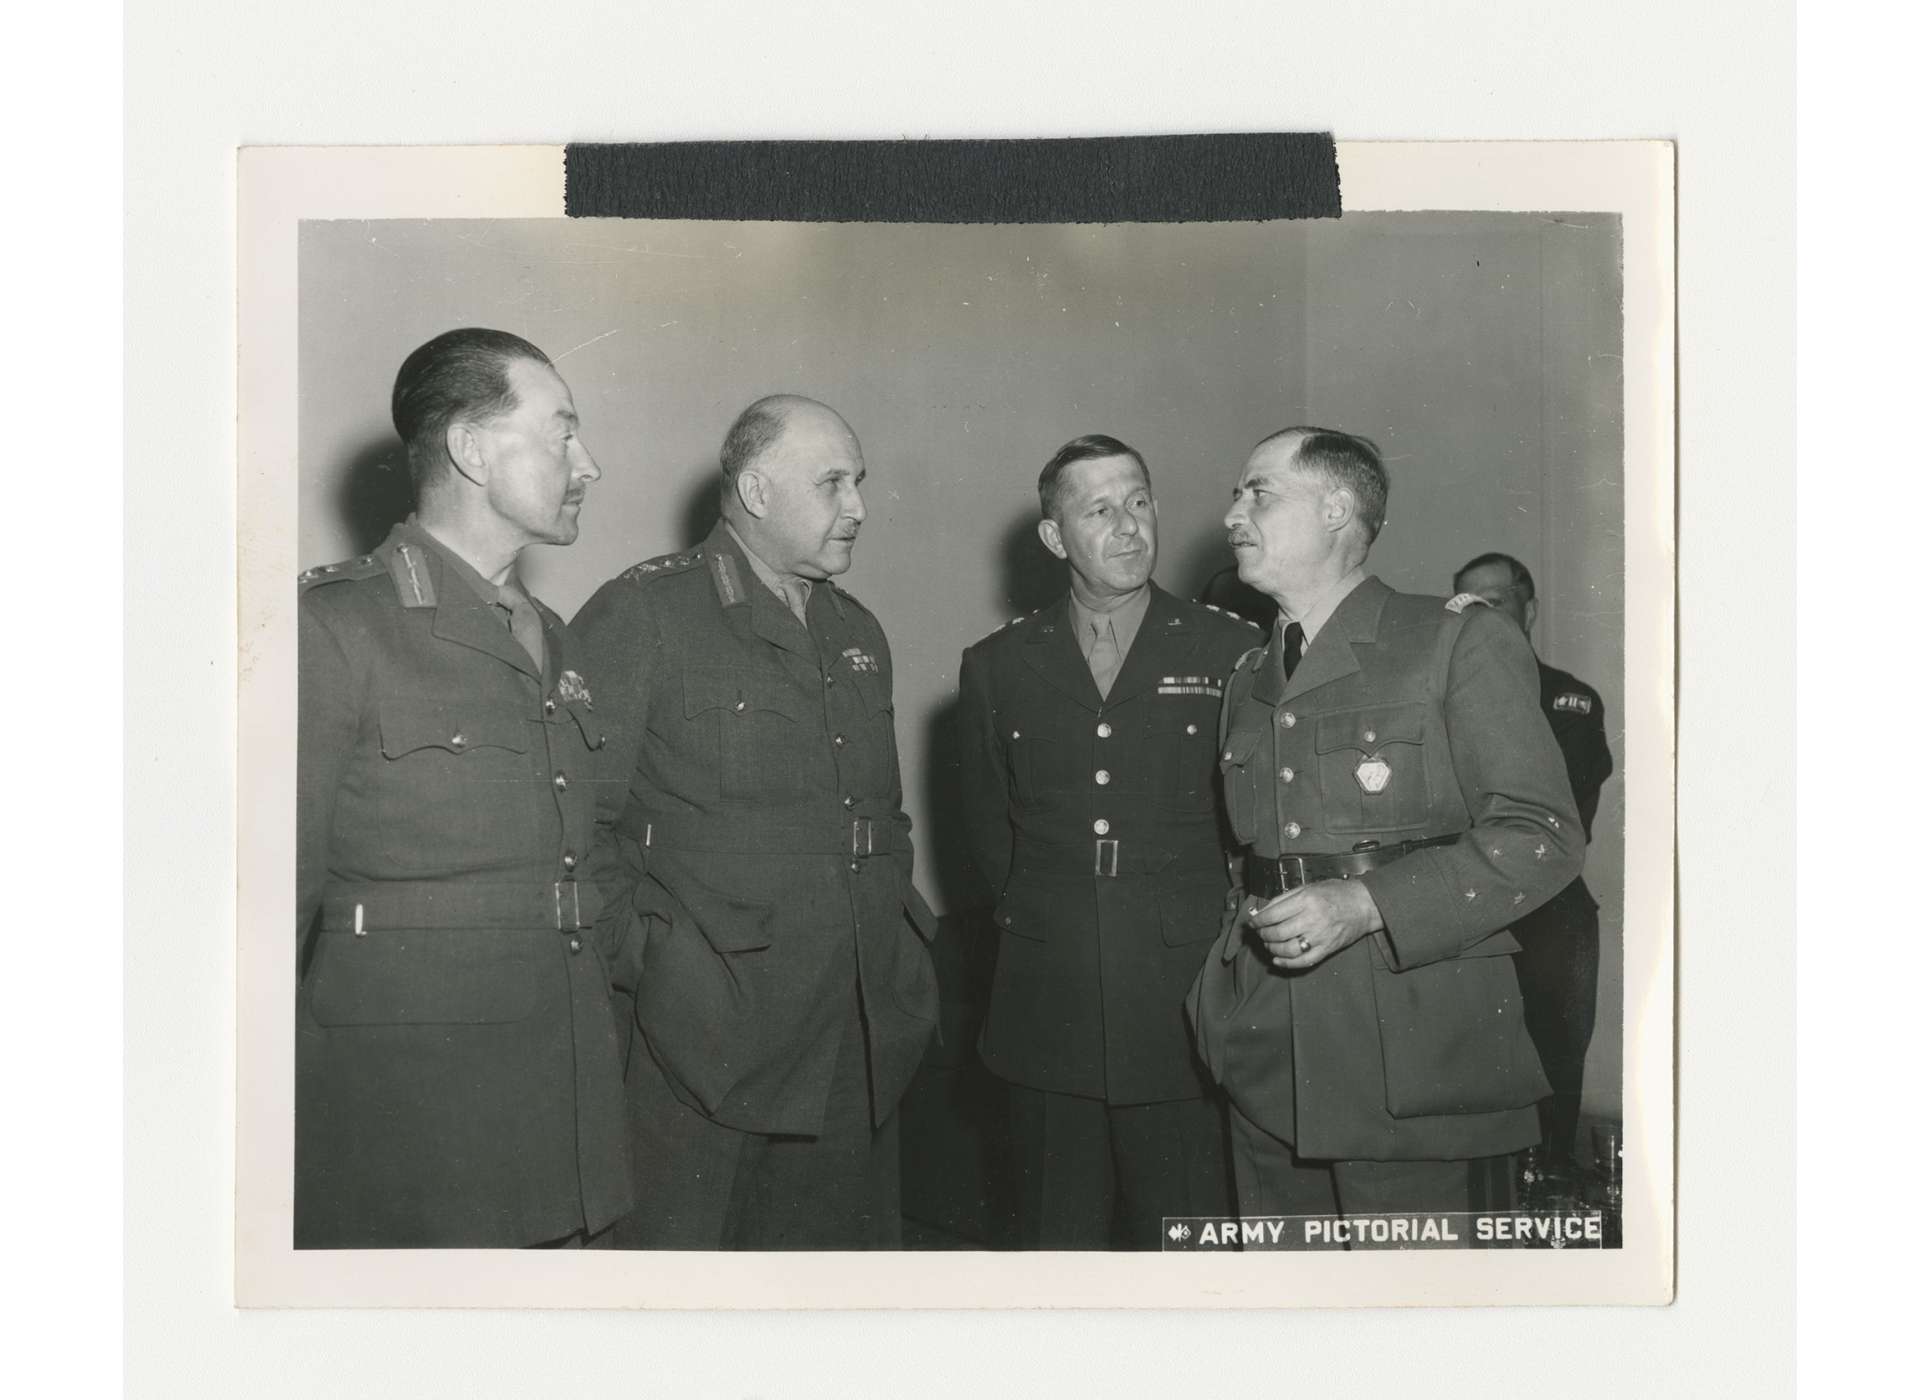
(854, 866)
(1287, 720)
(839, 741)
(1103, 777)
(573, 945)
(1193, 729)
(1292, 829)
(1286, 775)
(1016, 734)
(458, 741)
(550, 707)
(1101, 827)
(1103, 729)
(847, 801)
(569, 860)
(560, 781)
(1368, 737)
(739, 706)
(829, 680)
(1228, 755)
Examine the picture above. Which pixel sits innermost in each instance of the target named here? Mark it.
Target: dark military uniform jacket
(1579, 724)
(762, 830)
(1405, 720)
(457, 1066)
(1097, 825)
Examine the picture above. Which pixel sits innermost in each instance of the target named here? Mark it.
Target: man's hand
(1305, 927)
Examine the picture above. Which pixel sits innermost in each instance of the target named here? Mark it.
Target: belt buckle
(1106, 856)
(1293, 872)
(566, 905)
(863, 836)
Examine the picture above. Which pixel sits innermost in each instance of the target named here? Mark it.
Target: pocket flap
(1370, 730)
(405, 728)
(1243, 741)
(738, 691)
(1022, 918)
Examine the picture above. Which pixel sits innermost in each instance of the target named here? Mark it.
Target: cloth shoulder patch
(663, 565)
(1573, 703)
(1460, 602)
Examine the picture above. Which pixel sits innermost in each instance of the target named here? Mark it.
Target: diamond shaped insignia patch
(1373, 775)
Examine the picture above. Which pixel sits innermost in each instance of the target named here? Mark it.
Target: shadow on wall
(700, 509)
(376, 491)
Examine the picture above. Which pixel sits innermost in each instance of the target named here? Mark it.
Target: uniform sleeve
(328, 702)
(619, 647)
(984, 796)
(1524, 843)
(1589, 763)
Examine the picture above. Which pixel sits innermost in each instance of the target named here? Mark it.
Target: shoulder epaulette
(1250, 651)
(360, 566)
(663, 565)
(1460, 602)
(1013, 621)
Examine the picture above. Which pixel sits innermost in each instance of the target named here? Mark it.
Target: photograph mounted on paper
(975, 758)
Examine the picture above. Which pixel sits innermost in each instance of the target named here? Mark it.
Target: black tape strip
(1117, 179)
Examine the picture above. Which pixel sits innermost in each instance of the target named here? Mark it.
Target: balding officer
(785, 994)
(457, 1070)
(1088, 769)
(1401, 803)
(1559, 959)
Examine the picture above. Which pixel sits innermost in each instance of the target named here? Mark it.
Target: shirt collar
(1324, 605)
(777, 583)
(1126, 619)
(485, 591)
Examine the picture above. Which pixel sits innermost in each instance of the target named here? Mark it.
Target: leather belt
(1268, 877)
(566, 905)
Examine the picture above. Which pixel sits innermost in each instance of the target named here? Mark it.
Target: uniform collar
(1323, 606)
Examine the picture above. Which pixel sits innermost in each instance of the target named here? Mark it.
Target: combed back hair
(460, 376)
(1343, 459)
(1090, 448)
(1522, 578)
(756, 430)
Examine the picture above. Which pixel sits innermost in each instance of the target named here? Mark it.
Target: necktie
(1292, 642)
(1103, 654)
(523, 620)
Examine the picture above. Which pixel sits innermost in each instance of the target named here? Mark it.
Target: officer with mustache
(1090, 795)
(776, 947)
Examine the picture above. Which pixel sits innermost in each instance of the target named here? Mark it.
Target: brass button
(1101, 827)
(739, 706)
(1193, 729)
(1103, 729)
(854, 866)
(1016, 734)
(847, 801)
(1103, 777)
(573, 945)
(1292, 829)
(1286, 775)
(1287, 720)
(560, 781)
(458, 741)
(1368, 737)
(839, 741)
(550, 707)
(569, 860)
(829, 680)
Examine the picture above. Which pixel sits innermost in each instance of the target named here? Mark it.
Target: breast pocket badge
(1373, 774)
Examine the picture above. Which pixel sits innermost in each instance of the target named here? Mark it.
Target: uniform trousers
(699, 1184)
(1559, 970)
(1271, 1180)
(1081, 1162)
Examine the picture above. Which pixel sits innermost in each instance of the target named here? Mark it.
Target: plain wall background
(1481, 351)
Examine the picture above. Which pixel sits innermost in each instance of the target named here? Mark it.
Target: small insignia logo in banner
(1373, 775)
(1576, 704)
(573, 689)
(1189, 685)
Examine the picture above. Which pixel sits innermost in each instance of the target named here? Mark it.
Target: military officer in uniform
(1559, 958)
(457, 1075)
(784, 989)
(1401, 803)
(1091, 806)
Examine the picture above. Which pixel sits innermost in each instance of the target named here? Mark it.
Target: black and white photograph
(913, 739)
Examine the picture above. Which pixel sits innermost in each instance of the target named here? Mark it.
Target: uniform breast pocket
(449, 781)
(1373, 768)
(1246, 778)
(753, 723)
(1182, 757)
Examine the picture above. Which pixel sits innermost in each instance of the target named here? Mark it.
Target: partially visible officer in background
(1087, 765)
(457, 1074)
(1401, 803)
(1559, 959)
(784, 997)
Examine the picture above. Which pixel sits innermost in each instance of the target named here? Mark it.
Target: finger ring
(1305, 946)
